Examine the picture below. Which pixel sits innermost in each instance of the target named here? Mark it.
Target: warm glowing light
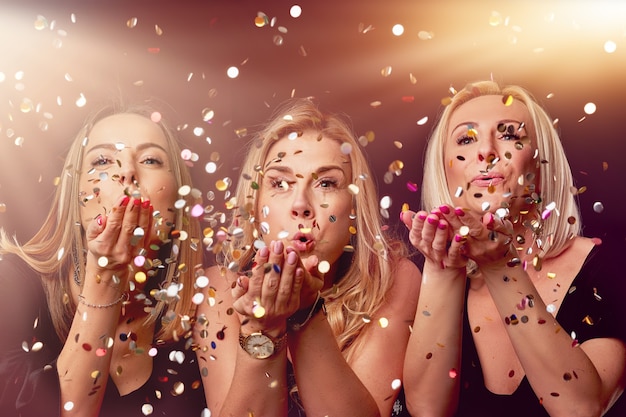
(610, 47)
(232, 72)
(295, 11)
(590, 108)
(397, 29)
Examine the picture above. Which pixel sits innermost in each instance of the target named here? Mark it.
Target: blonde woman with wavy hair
(107, 281)
(522, 313)
(306, 271)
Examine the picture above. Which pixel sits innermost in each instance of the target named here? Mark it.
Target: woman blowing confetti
(517, 313)
(97, 305)
(310, 312)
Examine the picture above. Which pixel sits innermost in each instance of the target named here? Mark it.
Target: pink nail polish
(99, 219)
(442, 226)
(444, 209)
(459, 212)
(422, 216)
(291, 258)
(432, 221)
(264, 252)
(458, 238)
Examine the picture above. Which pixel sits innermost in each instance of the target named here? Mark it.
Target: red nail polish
(125, 201)
(136, 202)
(145, 204)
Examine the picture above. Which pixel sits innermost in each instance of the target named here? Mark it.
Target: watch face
(259, 346)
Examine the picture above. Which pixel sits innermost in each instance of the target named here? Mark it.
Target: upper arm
(380, 360)
(608, 356)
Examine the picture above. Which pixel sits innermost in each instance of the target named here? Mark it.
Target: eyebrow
(112, 147)
(477, 124)
(320, 170)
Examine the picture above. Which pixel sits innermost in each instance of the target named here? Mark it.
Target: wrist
(300, 318)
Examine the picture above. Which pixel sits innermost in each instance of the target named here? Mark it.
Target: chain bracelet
(123, 298)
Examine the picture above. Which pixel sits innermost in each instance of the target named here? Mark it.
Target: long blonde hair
(357, 295)
(59, 243)
(556, 181)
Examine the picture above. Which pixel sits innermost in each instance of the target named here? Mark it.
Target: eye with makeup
(279, 183)
(102, 161)
(328, 184)
(509, 131)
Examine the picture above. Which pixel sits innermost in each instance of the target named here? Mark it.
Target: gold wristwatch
(260, 345)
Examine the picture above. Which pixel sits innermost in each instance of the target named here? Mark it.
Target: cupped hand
(113, 240)
(486, 239)
(433, 236)
(271, 293)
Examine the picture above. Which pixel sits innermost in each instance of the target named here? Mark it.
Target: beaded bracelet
(123, 298)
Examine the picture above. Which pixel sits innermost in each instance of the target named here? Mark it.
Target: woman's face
(304, 198)
(127, 154)
(489, 155)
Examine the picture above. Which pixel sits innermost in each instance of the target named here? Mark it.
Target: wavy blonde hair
(51, 251)
(363, 287)
(555, 174)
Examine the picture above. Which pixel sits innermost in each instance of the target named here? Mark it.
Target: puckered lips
(487, 179)
(303, 242)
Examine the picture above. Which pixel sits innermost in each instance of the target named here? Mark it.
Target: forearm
(326, 383)
(432, 363)
(84, 362)
(559, 371)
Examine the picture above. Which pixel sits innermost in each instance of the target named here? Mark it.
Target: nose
(487, 150)
(128, 175)
(301, 207)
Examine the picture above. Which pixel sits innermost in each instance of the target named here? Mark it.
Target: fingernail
(145, 204)
(99, 219)
(459, 212)
(442, 225)
(444, 209)
(278, 247)
(458, 238)
(136, 202)
(401, 216)
(432, 221)
(490, 219)
(125, 201)
(291, 258)
(264, 252)
(239, 282)
(422, 216)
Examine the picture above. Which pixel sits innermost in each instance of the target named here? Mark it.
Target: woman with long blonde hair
(101, 296)
(311, 301)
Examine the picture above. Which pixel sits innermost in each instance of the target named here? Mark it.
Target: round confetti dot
(210, 167)
(397, 29)
(346, 148)
(598, 207)
(103, 261)
(383, 322)
(396, 384)
(68, 406)
(590, 108)
(155, 117)
(258, 311)
(295, 11)
(232, 72)
(550, 308)
(323, 267)
(453, 373)
(140, 277)
(147, 409)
